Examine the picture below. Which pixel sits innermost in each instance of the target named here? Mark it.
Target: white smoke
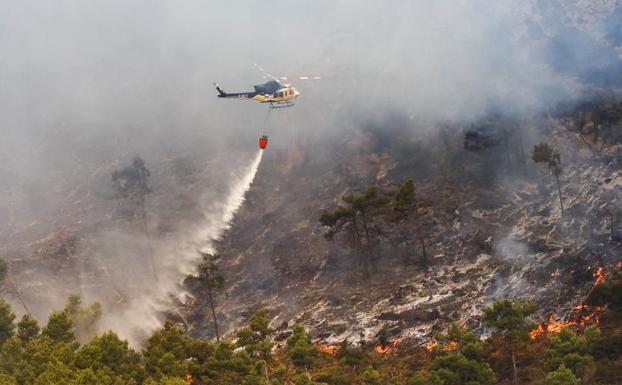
(144, 311)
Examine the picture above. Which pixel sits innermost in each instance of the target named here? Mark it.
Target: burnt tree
(544, 153)
(358, 215)
(212, 280)
(131, 185)
(407, 205)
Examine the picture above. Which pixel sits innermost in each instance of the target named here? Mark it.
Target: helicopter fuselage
(271, 92)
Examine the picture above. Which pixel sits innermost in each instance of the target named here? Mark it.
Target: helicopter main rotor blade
(268, 76)
(300, 78)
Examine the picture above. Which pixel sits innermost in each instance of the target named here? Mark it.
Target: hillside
(490, 217)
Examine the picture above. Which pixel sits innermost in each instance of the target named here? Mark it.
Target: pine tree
(60, 327)
(7, 318)
(300, 349)
(561, 376)
(510, 319)
(544, 153)
(212, 280)
(255, 338)
(132, 185)
(406, 205)
(27, 328)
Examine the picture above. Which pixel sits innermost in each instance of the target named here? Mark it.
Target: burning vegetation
(581, 315)
(388, 348)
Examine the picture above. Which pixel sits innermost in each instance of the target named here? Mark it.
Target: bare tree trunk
(265, 370)
(365, 227)
(425, 256)
(522, 151)
(211, 305)
(514, 365)
(150, 245)
(356, 230)
(559, 190)
(507, 150)
(18, 294)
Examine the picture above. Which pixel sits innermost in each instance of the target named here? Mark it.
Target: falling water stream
(144, 311)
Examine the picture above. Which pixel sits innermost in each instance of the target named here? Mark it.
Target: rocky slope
(493, 225)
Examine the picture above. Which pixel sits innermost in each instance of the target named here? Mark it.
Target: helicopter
(279, 95)
(273, 92)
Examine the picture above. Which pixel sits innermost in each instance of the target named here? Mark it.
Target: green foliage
(173, 381)
(461, 340)
(608, 293)
(165, 352)
(544, 153)
(510, 319)
(108, 353)
(304, 379)
(572, 350)
(371, 377)
(384, 336)
(456, 369)
(332, 218)
(5, 379)
(300, 349)
(333, 375)
(424, 377)
(367, 202)
(132, 181)
(209, 271)
(85, 318)
(27, 328)
(4, 269)
(255, 338)
(60, 327)
(7, 318)
(405, 198)
(170, 357)
(365, 206)
(561, 376)
(349, 356)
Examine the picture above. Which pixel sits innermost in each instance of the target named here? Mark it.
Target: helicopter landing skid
(281, 105)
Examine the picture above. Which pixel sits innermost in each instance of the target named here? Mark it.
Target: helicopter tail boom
(241, 95)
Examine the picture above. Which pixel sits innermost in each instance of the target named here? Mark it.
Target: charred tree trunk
(559, 188)
(522, 151)
(508, 161)
(211, 305)
(18, 294)
(514, 365)
(150, 245)
(424, 254)
(356, 231)
(365, 226)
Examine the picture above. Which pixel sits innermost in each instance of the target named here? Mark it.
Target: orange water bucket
(263, 142)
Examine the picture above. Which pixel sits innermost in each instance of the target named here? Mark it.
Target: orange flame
(451, 346)
(600, 275)
(328, 349)
(448, 347)
(430, 345)
(583, 318)
(390, 348)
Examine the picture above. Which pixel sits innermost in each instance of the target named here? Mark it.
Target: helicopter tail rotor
(221, 92)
